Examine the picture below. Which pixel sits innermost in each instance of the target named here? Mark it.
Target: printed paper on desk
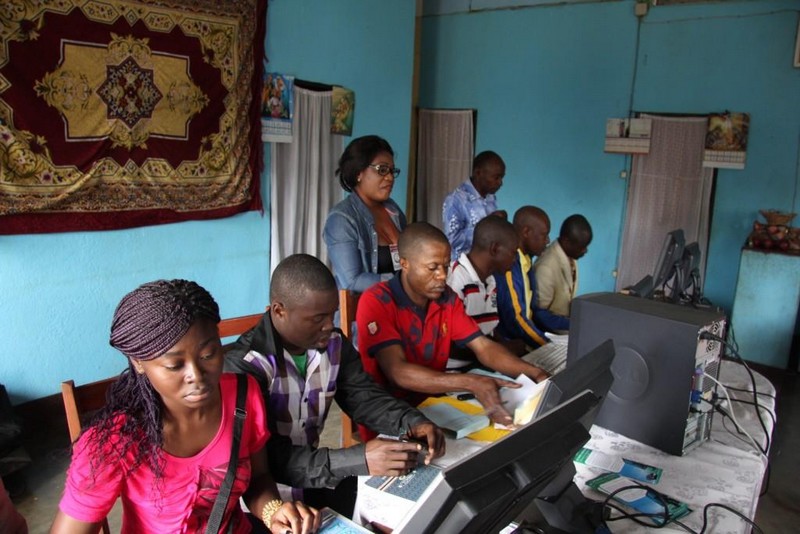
(616, 464)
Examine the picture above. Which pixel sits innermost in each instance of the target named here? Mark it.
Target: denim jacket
(352, 242)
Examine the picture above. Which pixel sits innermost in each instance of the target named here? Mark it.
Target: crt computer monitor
(486, 491)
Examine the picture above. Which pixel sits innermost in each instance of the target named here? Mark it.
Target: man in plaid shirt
(302, 364)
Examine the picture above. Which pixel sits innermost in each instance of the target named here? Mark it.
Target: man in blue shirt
(472, 201)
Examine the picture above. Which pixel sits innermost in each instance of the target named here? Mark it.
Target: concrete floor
(778, 510)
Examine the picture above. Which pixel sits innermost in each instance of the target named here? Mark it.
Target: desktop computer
(659, 367)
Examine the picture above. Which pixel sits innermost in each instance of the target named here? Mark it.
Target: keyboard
(410, 486)
(552, 357)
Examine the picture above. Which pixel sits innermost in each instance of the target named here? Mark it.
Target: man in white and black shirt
(471, 276)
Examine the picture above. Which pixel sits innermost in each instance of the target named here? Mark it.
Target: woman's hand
(295, 518)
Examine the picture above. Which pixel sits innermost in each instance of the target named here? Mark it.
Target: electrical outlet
(623, 174)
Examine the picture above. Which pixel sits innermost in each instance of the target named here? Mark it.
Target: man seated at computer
(494, 249)
(406, 326)
(557, 267)
(520, 317)
(302, 364)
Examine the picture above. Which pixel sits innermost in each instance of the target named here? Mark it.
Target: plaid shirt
(294, 458)
(300, 406)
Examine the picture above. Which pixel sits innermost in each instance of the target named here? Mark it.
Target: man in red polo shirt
(406, 326)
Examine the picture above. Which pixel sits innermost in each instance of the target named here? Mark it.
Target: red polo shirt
(386, 316)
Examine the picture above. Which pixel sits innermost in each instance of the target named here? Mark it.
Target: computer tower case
(659, 367)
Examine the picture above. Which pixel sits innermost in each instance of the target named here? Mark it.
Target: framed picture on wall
(797, 47)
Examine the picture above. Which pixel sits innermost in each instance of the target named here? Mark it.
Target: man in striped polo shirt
(472, 278)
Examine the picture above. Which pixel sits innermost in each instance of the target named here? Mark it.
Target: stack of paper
(523, 401)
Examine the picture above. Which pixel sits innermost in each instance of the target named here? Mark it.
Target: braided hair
(147, 322)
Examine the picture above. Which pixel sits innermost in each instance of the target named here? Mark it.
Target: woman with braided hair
(163, 441)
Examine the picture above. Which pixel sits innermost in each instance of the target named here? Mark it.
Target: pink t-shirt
(183, 500)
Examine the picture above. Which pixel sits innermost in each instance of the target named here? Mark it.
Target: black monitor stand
(561, 508)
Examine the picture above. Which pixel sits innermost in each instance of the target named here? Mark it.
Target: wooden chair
(80, 402)
(236, 326)
(347, 314)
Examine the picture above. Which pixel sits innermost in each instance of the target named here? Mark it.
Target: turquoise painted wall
(545, 79)
(735, 56)
(58, 291)
(365, 46)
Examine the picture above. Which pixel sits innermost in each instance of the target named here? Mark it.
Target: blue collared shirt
(462, 210)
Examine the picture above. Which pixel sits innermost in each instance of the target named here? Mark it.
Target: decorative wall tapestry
(125, 113)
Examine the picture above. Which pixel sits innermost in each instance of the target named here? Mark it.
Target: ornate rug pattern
(125, 113)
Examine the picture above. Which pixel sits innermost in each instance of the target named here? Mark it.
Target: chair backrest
(80, 402)
(236, 326)
(347, 311)
(347, 314)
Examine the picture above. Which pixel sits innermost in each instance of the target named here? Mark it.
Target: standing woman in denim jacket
(361, 231)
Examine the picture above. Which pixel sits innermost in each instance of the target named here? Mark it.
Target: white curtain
(669, 189)
(304, 187)
(444, 158)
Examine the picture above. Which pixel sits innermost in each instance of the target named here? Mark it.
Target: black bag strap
(218, 511)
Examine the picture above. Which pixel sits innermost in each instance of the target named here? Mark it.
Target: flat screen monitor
(687, 285)
(592, 371)
(665, 267)
(484, 492)
(670, 257)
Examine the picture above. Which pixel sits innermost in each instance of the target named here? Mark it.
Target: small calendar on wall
(726, 140)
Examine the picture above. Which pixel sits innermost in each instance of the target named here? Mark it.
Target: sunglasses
(384, 169)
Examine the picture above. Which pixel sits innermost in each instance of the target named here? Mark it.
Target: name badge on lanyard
(395, 252)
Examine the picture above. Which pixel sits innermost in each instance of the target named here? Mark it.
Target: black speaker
(659, 368)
